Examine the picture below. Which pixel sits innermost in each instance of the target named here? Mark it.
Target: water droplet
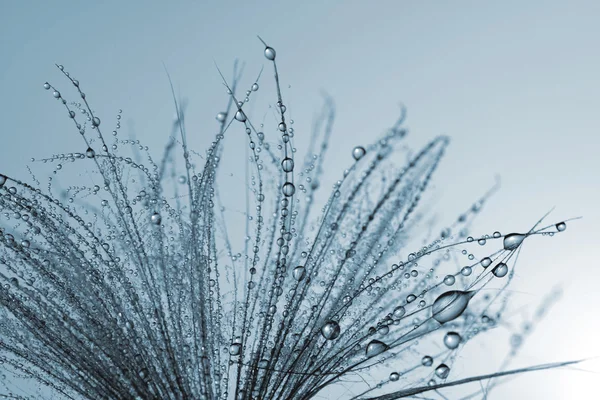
(486, 261)
(442, 371)
(394, 376)
(56, 94)
(287, 164)
(299, 273)
(288, 189)
(358, 152)
(374, 348)
(46, 86)
(500, 270)
(561, 226)
(222, 116)
(450, 305)
(2, 180)
(95, 121)
(156, 219)
(452, 340)
(449, 280)
(427, 361)
(331, 330)
(513, 240)
(497, 234)
(270, 53)
(399, 312)
(240, 116)
(235, 349)
(90, 153)
(281, 127)
(466, 271)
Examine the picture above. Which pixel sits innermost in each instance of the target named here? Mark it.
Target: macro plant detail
(133, 287)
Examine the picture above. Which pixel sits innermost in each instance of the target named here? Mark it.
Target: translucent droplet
(46, 86)
(270, 53)
(442, 371)
(500, 270)
(513, 240)
(374, 348)
(561, 226)
(281, 127)
(56, 94)
(96, 121)
(222, 116)
(466, 271)
(156, 219)
(254, 87)
(358, 152)
(288, 189)
(427, 361)
(452, 340)
(2, 180)
(90, 153)
(485, 262)
(240, 116)
(287, 164)
(394, 376)
(235, 349)
(331, 330)
(399, 312)
(450, 305)
(299, 273)
(449, 280)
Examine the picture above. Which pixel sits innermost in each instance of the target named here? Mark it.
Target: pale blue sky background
(513, 83)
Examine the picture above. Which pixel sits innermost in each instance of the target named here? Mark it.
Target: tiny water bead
(95, 121)
(450, 305)
(240, 116)
(235, 349)
(358, 152)
(222, 116)
(254, 87)
(449, 280)
(452, 340)
(270, 53)
(331, 330)
(90, 153)
(561, 226)
(500, 270)
(427, 361)
(485, 262)
(394, 376)
(399, 312)
(442, 371)
(513, 240)
(374, 348)
(46, 86)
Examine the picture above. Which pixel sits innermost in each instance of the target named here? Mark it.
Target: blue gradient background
(514, 84)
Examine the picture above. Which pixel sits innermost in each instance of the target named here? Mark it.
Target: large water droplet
(156, 219)
(561, 226)
(450, 305)
(235, 349)
(240, 116)
(449, 280)
(90, 153)
(374, 348)
(513, 240)
(331, 330)
(394, 376)
(270, 53)
(442, 371)
(358, 152)
(222, 116)
(427, 361)
(299, 273)
(288, 189)
(452, 340)
(96, 121)
(500, 270)
(287, 164)
(485, 262)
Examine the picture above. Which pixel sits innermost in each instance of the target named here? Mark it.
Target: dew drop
(222, 116)
(90, 153)
(46, 86)
(240, 116)
(156, 219)
(466, 271)
(331, 330)
(288, 189)
(452, 340)
(56, 94)
(561, 226)
(442, 371)
(375, 347)
(513, 240)
(449, 280)
(254, 87)
(485, 262)
(235, 349)
(95, 121)
(399, 312)
(394, 376)
(450, 305)
(500, 270)
(427, 361)
(287, 164)
(270, 53)
(299, 273)
(358, 152)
